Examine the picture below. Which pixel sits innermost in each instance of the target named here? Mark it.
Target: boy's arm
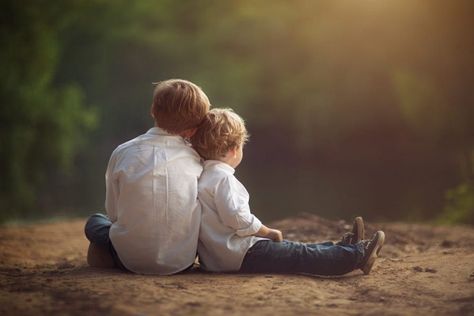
(111, 191)
(273, 234)
(234, 211)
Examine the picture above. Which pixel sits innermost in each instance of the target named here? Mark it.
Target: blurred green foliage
(41, 122)
(356, 107)
(459, 205)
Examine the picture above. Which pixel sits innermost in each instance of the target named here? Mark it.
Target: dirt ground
(423, 270)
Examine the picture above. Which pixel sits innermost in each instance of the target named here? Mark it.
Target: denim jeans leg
(295, 257)
(326, 243)
(97, 229)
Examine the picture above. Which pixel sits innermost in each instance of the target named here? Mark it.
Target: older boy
(151, 190)
(233, 239)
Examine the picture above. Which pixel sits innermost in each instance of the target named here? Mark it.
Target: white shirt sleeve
(232, 202)
(111, 191)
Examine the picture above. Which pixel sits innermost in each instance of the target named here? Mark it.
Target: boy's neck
(230, 158)
(227, 162)
(185, 134)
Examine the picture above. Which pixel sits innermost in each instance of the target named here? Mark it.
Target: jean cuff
(360, 254)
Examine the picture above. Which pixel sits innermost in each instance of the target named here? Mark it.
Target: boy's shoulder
(218, 173)
(175, 145)
(124, 146)
(221, 183)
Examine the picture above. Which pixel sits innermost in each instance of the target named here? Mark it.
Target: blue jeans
(97, 231)
(326, 258)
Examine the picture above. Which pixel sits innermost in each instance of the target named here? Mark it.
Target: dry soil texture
(423, 270)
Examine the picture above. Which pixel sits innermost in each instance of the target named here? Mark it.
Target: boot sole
(358, 229)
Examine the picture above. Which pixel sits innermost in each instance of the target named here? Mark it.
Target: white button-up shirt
(227, 224)
(152, 201)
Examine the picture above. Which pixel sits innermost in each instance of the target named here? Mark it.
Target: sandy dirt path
(423, 270)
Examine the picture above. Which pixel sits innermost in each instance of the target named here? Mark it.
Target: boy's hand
(275, 235)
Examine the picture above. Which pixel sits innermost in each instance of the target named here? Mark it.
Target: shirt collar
(212, 164)
(159, 131)
(156, 131)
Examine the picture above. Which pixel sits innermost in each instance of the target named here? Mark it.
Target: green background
(354, 107)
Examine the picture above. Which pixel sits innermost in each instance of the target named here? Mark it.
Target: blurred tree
(41, 125)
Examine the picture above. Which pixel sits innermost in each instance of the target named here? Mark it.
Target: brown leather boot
(100, 257)
(357, 234)
(372, 250)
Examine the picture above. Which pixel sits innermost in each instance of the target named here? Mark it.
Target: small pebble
(430, 270)
(471, 276)
(447, 243)
(193, 304)
(418, 269)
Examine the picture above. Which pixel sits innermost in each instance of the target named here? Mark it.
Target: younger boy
(151, 190)
(231, 238)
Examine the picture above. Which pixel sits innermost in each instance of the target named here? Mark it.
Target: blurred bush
(459, 205)
(42, 123)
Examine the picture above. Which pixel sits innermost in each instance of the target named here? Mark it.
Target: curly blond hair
(220, 131)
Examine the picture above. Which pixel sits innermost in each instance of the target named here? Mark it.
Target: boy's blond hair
(220, 131)
(178, 105)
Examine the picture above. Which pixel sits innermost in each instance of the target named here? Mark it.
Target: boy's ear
(233, 151)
